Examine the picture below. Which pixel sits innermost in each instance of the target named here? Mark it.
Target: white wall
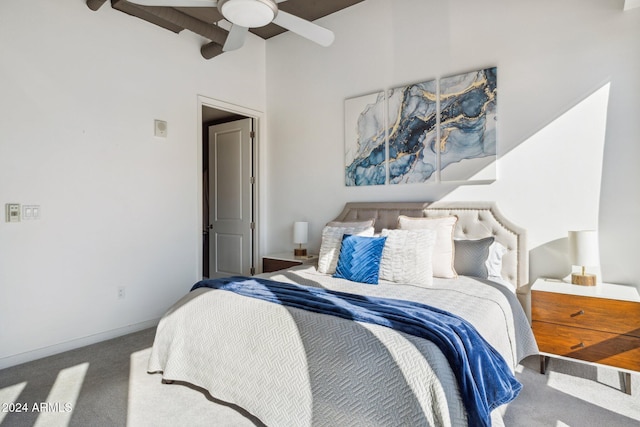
(79, 91)
(567, 115)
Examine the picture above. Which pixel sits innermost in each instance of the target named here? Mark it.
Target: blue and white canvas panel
(365, 142)
(468, 126)
(412, 133)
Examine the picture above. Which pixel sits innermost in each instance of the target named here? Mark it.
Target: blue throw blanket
(484, 378)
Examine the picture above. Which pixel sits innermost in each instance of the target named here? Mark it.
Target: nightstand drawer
(622, 351)
(270, 265)
(600, 314)
(285, 260)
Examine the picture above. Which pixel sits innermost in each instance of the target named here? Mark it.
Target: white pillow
(443, 252)
(406, 257)
(494, 261)
(331, 243)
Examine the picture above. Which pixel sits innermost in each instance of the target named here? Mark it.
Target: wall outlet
(121, 292)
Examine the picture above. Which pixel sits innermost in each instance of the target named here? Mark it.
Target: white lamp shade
(300, 232)
(583, 248)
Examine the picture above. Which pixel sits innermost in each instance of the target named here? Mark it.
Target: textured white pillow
(406, 257)
(331, 243)
(443, 252)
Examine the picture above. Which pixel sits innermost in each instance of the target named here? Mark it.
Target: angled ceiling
(204, 20)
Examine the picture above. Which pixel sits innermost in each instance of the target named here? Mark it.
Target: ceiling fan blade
(176, 3)
(304, 28)
(236, 38)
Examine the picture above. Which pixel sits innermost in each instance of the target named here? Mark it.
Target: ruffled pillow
(407, 255)
(443, 251)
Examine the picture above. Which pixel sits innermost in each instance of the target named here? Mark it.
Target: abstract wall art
(468, 124)
(412, 133)
(437, 130)
(365, 140)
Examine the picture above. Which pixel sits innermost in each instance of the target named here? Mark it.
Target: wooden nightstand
(594, 324)
(281, 261)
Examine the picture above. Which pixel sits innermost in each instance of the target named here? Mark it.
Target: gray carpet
(106, 384)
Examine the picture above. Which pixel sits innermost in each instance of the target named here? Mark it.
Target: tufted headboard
(476, 220)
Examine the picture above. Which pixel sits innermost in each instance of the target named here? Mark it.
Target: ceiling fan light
(249, 13)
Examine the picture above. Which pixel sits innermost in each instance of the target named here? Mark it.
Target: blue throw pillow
(359, 259)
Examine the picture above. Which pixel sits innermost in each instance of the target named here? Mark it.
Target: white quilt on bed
(290, 367)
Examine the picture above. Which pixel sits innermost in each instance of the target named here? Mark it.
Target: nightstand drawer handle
(578, 313)
(581, 345)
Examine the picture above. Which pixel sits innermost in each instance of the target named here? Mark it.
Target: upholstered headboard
(476, 220)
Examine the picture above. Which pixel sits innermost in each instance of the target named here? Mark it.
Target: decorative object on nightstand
(598, 325)
(584, 252)
(300, 237)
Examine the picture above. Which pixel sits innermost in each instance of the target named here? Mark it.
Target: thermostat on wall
(12, 212)
(160, 128)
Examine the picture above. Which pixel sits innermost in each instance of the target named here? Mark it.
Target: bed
(289, 366)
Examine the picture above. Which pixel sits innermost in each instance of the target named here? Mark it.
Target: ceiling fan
(245, 14)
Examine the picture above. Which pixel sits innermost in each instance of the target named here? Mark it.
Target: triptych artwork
(423, 133)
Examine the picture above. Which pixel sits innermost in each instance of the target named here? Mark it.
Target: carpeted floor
(106, 384)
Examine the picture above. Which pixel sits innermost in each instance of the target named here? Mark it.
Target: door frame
(260, 130)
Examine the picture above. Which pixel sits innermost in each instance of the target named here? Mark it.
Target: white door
(231, 199)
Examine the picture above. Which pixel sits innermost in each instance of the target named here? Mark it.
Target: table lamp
(584, 252)
(300, 236)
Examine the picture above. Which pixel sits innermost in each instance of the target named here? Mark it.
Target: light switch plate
(12, 212)
(30, 212)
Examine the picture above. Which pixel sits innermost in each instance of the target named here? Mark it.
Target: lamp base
(300, 252)
(583, 279)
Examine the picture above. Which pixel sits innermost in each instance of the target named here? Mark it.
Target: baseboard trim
(28, 356)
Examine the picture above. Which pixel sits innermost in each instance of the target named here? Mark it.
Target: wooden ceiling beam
(173, 20)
